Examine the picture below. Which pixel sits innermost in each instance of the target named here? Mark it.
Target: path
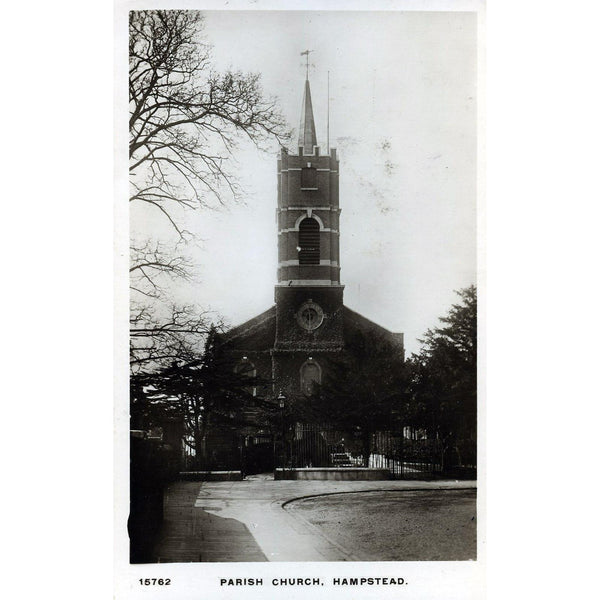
(243, 521)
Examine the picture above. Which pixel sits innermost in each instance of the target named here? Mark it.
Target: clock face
(310, 315)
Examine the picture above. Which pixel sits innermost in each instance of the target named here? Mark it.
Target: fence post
(402, 452)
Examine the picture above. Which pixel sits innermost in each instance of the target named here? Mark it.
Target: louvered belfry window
(310, 253)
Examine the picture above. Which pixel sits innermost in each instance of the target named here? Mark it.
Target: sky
(403, 117)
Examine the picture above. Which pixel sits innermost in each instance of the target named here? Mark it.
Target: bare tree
(156, 263)
(159, 337)
(185, 123)
(185, 119)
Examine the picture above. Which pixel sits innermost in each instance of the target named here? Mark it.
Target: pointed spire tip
(307, 137)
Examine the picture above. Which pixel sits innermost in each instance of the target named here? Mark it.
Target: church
(292, 342)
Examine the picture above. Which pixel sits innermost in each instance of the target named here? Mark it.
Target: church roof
(307, 137)
(355, 321)
(257, 334)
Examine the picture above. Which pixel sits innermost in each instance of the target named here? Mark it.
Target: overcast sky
(403, 118)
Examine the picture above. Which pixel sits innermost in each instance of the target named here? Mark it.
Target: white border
(542, 257)
(443, 580)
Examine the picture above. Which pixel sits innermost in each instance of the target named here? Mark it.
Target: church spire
(308, 134)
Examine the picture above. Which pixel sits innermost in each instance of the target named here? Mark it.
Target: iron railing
(403, 453)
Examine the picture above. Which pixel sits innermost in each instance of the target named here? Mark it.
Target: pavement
(246, 521)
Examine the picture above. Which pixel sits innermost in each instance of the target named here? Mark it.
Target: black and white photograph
(303, 288)
(300, 299)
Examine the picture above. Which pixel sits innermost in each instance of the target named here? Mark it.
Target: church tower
(308, 293)
(293, 342)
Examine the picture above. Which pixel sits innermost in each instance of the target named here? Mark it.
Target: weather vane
(306, 53)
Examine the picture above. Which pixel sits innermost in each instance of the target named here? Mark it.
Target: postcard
(299, 399)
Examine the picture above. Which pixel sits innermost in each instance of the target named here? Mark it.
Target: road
(396, 525)
(266, 520)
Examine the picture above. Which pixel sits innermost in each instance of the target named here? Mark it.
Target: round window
(310, 315)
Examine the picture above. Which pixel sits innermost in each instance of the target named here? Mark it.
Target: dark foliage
(444, 381)
(211, 393)
(362, 392)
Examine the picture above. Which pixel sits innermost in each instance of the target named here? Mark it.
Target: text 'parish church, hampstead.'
(292, 342)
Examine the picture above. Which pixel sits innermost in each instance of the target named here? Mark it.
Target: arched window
(310, 373)
(309, 242)
(246, 369)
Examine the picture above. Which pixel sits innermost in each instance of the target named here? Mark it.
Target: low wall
(153, 466)
(333, 474)
(211, 475)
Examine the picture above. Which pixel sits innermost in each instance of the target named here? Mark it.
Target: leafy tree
(362, 391)
(210, 393)
(444, 379)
